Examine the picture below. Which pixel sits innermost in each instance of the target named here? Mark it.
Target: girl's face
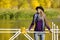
(39, 11)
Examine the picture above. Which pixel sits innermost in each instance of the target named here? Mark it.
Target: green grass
(25, 14)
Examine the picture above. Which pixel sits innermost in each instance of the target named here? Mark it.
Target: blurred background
(19, 13)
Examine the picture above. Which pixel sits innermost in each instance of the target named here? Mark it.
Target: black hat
(40, 7)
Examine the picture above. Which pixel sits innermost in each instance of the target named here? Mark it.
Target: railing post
(52, 31)
(57, 33)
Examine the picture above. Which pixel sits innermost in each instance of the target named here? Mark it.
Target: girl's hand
(50, 31)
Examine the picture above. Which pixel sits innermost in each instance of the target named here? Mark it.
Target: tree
(34, 3)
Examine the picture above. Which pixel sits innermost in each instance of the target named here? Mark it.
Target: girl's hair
(40, 7)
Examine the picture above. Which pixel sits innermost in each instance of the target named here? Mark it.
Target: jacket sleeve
(47, 26)
(46, 23)
(32, 22)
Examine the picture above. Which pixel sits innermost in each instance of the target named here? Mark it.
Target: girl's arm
(46, 23)
(32, 23)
